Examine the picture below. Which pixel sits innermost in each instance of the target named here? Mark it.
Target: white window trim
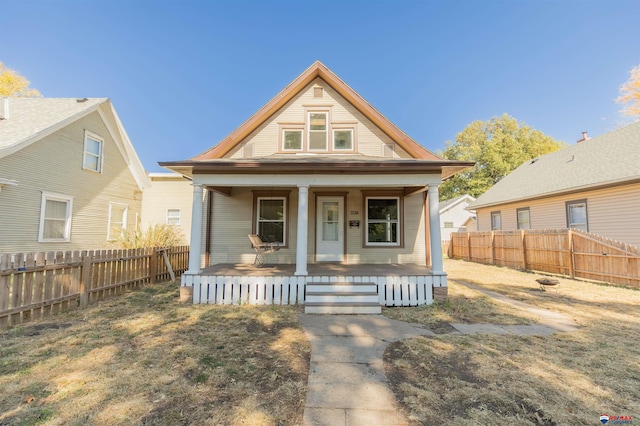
(577, 225)
(67, 227)
(528, 217)
(124, 219)
(333, 138)
(327, 131)
(88, 134)
(301, 140)
(284, 217)
(178, 217)
(499, 215)
(366, 215)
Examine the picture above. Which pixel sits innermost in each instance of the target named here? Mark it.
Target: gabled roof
(32, 119)
(446, 205)
(317, 69)
(610, 159)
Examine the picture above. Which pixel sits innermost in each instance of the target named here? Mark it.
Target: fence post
(85, 278)
(152, 266)
(524, 251)
(468, 246)
(493, 257)
(570, 252)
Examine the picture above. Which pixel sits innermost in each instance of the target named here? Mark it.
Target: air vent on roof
(247, 150)
(82, 100)
(533, 161)
(388, 150)
(4, 108)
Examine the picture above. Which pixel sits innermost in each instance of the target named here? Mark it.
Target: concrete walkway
(347, 384)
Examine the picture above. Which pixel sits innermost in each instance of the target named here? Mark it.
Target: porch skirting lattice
(396, 290)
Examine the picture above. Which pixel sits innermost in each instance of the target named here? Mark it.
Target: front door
(330, 229)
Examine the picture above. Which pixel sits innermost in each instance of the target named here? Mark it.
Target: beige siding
(55, 164)
(612, 212)
(168, 192)
(232, 222)
(369, 138)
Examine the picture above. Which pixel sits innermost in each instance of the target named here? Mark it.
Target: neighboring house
(454, 217)
(69, 176)
(593, 185)
(168, 200)
(328, 179)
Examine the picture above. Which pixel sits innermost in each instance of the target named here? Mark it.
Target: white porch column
(196, 231)
(434, 229)
(303, 221)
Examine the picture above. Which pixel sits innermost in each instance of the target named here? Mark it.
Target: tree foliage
(630, 94)
(497, 146)
(13, 85)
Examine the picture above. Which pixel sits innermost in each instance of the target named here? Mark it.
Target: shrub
(159, 235)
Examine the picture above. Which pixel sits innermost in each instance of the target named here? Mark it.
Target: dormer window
(317, 131)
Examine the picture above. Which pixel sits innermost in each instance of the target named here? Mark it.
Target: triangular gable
(317, 70)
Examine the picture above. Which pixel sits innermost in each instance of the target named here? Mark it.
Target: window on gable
(577, 215)
(496, 221)
(317, 131)
(93, 148)
(383, 221)
(173, 217)
(117, 221)
(55, 218)
(448, 224)
(292, 140)
(343, 139)
(524, 218)
(271, 219)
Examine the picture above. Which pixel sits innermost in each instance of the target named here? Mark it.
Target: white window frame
(53, 196)
(577, 225)
(284, 218)
(448, 224)
(91, 135)
(173, 217)
(333, 138)
(522, 210)
(398, 221)
(327, 131)
(301, 131)
(124, 220)
(497, 214)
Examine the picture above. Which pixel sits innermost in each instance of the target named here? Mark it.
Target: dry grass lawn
(142, 358)
(563, 379)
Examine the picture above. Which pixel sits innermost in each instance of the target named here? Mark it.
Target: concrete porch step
(355, 308)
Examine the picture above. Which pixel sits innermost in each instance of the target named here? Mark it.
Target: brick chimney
(584, 137)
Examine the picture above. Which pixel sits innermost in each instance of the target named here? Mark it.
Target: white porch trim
(434, 230)
(196, 231)
(303, 221)
(368, 180)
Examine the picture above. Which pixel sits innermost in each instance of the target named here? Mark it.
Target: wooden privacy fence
(34, 285)
(570, 252)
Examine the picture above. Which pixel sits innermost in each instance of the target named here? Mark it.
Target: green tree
(630, 94)
(497, 146)
(13, 85)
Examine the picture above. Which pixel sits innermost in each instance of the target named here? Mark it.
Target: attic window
(318, 92)
(93, 148)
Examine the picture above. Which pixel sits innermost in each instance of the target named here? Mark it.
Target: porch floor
(316, 269)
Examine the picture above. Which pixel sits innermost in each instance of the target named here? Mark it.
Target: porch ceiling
(317, 269)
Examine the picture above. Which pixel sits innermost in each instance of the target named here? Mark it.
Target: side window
(55, 218)
(173, 216)
(93, 152)
(524, 218)
(117, 221)
(496, 221)
(577, 215)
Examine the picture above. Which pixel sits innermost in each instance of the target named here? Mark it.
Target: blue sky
(183, 74)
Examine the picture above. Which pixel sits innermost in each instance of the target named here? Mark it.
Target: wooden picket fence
(570, 252)
(34, 285)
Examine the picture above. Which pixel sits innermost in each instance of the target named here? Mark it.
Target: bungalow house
(454, 216)
(346, 201)
(69, 176)
(593, 185)
(168, 201)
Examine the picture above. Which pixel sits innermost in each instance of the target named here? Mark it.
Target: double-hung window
(117, 221)
(173, 216)
(577, 215)
(318, 131)
(271, 219)
(55, 217)
(93, 152)
(524, 218)
(496, 221)
(383, 221)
